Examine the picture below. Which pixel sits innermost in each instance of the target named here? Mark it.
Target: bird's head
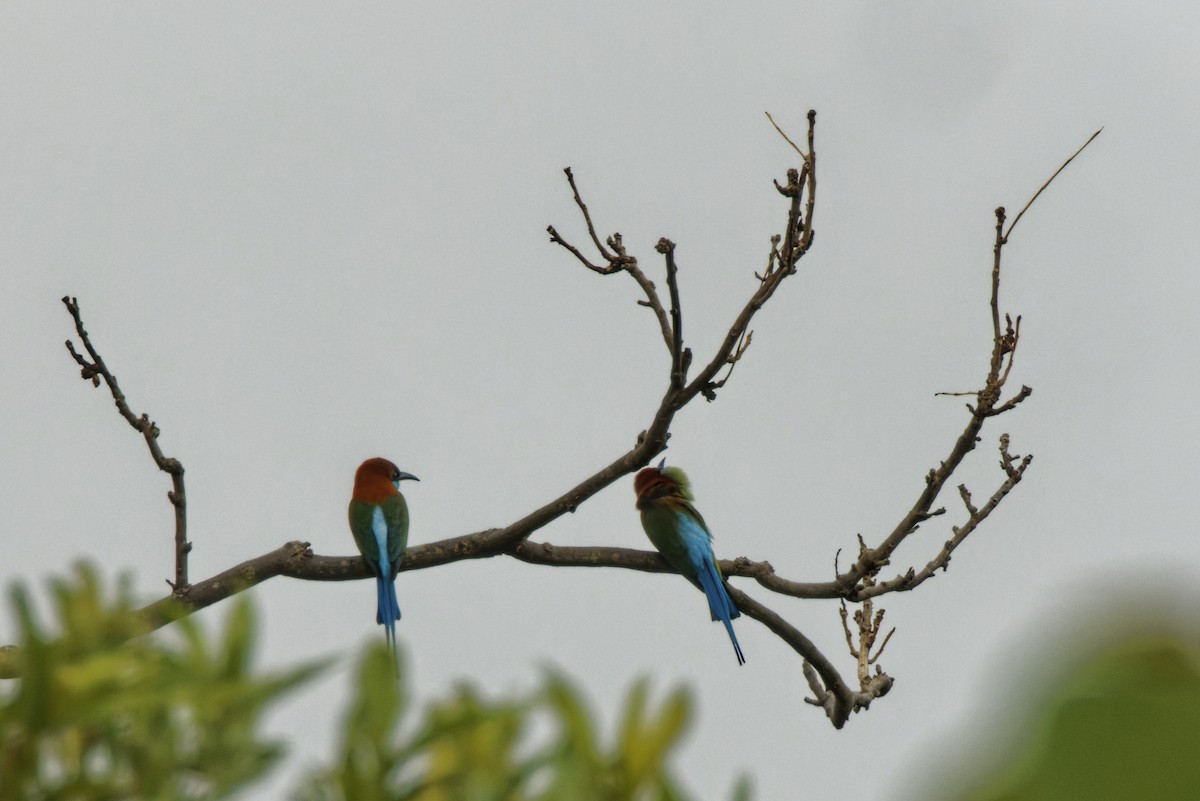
(651, 483)
(378, 478)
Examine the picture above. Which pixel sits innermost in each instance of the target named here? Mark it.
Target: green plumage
(678, 531)
(661, 519)
(683, 484)
(661, 523)
(395, 514)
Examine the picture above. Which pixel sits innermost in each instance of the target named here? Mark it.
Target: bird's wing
(379, 528)
(697, 543)
(691, 513)
(395, 515)
(361, 524)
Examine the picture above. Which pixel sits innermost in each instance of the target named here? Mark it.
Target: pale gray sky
(303, 236)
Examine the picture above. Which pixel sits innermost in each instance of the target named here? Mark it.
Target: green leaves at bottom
(101, 712)
(1125, 725)
(105, 709)
(542, 747)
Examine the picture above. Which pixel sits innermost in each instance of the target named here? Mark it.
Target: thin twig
(912, 579)
(1048, 180)
(734, 358)
(586, 216)
(558, 240)
(618, 261)
(787, 138)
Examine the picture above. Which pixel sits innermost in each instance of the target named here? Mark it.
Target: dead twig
(1021, 213)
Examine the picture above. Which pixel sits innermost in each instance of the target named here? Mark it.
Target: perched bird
(379, 523)
(664, 497)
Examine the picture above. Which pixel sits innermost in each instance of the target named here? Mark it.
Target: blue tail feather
(387, 609)
(719, 603)
(703, 563)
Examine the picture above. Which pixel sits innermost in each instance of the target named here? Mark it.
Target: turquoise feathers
(671, 521)
(379, 522)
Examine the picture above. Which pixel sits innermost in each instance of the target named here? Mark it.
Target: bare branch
(734, 358)
(558, 240)
(297, 561)
(618, 260)
(886, 640)
(797, 239)
(966, 498)
(1004, 348)
(868, 623)
(678, 370)
(941, 561)
(1048, 181)
(787, 138)
(810, 167)
(282, 561)
(772, 257)
(830, 689)
(544, 553)
(587, 217)
(859, 584)
(1024, 393)
(990, 391)
(94, 371)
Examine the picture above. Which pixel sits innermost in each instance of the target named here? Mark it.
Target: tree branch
(618, 259)
(858, 584)
(678, 368)
(94, 371)
(988, 404)
(1021, 213)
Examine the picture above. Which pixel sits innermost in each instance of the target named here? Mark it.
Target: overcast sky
(308, 234)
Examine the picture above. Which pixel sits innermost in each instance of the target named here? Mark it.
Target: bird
(379, 522)
(664, 498)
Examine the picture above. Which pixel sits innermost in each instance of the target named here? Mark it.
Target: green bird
(379, 523)
(664, 497)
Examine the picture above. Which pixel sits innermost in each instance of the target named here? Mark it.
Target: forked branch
(859, 583)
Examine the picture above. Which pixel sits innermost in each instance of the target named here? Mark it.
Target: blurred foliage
(542, 748)
(100, 712)
(1124, 725)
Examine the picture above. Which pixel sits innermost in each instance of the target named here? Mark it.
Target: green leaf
(1124, 726)
(635, 713)
(578, 728)
(97, 715)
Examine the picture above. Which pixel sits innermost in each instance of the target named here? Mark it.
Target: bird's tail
(720, 604)
(387, 609)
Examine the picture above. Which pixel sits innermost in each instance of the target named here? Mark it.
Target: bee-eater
(379, 523)
(664, 497)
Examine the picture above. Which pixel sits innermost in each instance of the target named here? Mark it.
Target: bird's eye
(395, 475)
